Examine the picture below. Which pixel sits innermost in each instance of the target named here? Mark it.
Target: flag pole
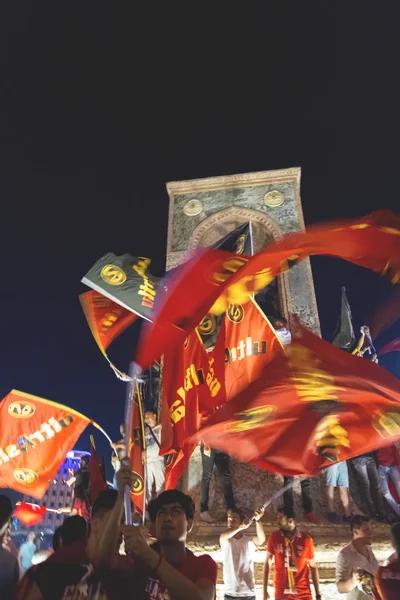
(134, 372)
(279, 493)
(144, 455)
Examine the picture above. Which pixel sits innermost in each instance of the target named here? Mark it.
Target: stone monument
(202, 211)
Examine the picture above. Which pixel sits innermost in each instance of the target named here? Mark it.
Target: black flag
(126, 280)
(344, 337)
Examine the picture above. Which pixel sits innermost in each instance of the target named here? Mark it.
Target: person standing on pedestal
(209, 458)
(306, 497)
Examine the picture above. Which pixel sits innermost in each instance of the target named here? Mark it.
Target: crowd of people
(104, 559)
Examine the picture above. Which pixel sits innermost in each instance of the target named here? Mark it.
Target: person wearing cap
(9, 569)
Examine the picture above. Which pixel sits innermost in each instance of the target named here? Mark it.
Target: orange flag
(311, 407)
(35, 436)
(213, 279)
(106, 319)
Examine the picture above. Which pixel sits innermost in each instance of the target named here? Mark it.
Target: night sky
(101, 104)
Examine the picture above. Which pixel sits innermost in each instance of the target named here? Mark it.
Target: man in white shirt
(155, 466)
(356, 564)
(238, 554)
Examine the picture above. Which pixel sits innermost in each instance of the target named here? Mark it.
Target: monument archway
(202, 211)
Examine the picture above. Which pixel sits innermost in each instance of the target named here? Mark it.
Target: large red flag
(309, 408)
(35, 436)
(106, 319)
(213, 279)
(189, 378)
(393, 346)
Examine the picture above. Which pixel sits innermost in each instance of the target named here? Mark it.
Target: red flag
(309, 408)
(250, 343)
(393, 346)
(138, 447)
(188, 379)
(213, 279)
(106, 319)
(29, 514)
(35, 436)
(97, 480)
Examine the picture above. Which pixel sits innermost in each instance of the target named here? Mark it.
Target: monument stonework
(201, 211)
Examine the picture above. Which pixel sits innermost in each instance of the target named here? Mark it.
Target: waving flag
(106, 319)
(190, 384)
(311, 407)
(125, 280)
(35, 436)
(29, 514)
(210, 282)
(347, 240)
(393, 346)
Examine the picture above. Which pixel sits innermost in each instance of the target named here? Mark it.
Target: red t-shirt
(302, 550)
(387, 582)
(193, 567)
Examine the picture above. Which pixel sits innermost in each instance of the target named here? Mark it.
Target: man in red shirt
(293, 554)
(386, 584)
(168, 568)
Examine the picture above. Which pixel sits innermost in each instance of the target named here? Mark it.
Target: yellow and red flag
(250, 344)
(311, 407)
(106, 319)
(213, 279)
(138, 448)
(35, 436)
(189, 380)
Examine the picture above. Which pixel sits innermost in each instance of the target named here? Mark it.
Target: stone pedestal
(203, 211)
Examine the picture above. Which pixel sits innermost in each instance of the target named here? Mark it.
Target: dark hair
(238, 512)
(356, 522)
(57, 538)
(152, 411)
(396, 535)
(85, 459)
(169, 497)
(288, 512)
(6, 509)
(73, 529)
(106, 500)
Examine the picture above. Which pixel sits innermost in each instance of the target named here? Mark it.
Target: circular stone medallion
(193, 208)
(274, 198)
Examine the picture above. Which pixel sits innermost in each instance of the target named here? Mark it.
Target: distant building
(58, 494)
